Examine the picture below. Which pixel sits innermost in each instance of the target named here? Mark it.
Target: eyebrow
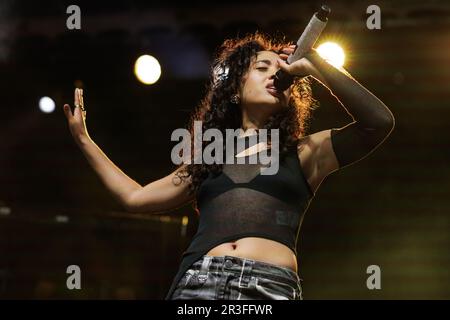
(265, 61)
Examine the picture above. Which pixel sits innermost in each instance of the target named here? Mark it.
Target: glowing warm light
(332, 53)
(46, 104)
(147, 69)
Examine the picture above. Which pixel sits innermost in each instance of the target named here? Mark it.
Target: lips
(273, 91)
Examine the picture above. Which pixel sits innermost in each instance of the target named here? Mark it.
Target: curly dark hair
(216, 111)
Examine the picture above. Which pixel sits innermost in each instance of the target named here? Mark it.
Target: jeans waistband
(245, 267)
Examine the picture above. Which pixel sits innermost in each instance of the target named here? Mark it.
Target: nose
(275, 73)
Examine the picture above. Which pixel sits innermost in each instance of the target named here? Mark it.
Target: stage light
(4, 210)
(185, 220)
(147, 69)
(332, 53)
(62, 218)
(46, 104)
(184, 223)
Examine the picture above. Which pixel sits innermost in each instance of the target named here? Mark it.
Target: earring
(235, 99)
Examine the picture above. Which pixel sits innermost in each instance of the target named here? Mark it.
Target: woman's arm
(372, 120)
(116, 182)
(160, 195)
(363, 106)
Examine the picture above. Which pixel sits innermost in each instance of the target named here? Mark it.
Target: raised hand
(301, 67)
(77, 119)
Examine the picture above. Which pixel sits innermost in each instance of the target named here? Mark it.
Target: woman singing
(245, 245)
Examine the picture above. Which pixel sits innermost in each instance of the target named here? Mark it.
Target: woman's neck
(249, 122)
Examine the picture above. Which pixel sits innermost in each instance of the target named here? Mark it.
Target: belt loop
(203, 273)
(246, 272)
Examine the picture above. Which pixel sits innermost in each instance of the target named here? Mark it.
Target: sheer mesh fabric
(242, 209)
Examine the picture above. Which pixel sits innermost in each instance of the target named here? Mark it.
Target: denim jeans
(234, 278)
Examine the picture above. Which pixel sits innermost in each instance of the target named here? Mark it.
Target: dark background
(391, 209)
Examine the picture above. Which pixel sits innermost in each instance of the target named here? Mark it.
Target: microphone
(283, 80)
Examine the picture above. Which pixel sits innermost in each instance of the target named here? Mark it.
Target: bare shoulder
(317, 157)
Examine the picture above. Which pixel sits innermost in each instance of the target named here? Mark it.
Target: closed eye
(262, 68)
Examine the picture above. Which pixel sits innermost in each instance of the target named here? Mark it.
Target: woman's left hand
(287, 51)
(300, 68)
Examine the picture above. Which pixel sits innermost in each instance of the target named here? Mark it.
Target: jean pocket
(192, 279)
(275, 290)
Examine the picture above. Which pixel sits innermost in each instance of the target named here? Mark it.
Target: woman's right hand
(77, 120)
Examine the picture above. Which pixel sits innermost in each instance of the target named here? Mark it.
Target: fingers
(76, 98)
(78, 114)
(288, 50)
(79, 111)
(80, 91)
(67, 111)
(283, 65)
(81, 100)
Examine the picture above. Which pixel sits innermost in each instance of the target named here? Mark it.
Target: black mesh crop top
(241, 202)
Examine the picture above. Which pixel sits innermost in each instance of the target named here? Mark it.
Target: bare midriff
(260, 249)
